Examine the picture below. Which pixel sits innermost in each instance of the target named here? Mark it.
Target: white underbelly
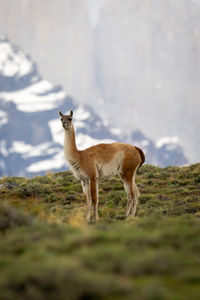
(110, 169)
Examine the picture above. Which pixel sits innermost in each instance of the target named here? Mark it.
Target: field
(49, 251)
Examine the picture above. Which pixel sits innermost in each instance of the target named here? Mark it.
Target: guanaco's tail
(141, 155)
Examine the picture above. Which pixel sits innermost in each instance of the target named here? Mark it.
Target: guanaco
(101, 161)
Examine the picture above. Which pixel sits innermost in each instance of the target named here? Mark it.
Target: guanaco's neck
(70, 149)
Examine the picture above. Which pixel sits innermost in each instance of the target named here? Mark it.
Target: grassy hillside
(48, 251)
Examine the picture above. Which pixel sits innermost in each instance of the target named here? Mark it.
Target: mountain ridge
(30, 129)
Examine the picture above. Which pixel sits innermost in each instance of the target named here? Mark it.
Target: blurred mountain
(57, 34)
(31, 135)
(148, 64)
(136, 62)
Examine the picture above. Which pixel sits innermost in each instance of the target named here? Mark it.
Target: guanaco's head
(66, 120)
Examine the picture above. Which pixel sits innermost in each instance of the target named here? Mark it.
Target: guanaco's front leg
(86, 190)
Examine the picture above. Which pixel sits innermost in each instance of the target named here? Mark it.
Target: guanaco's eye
(61, 119)
(70, 119)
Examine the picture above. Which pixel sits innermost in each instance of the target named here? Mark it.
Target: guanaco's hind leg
(94, 196)
(132, 194)
(135, 201)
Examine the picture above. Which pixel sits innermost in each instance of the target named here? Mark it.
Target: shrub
(10, 217)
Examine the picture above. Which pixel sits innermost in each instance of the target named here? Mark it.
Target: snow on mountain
(31, 135)
(167, 140)
(167, 151)
(13, 63)
(33, 93)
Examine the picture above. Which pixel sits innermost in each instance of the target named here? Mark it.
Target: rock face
(148, 64)
(57, 35)
(31, 132)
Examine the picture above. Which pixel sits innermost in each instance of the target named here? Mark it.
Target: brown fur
(102, 160)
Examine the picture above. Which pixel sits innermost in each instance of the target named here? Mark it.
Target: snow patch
(20, 147)
(13, 63)
(30, 100)
(167, 140)
(57, 131)
(115, 131)
(81, 114)
(3, 118)
(27, 150)
(56, 162)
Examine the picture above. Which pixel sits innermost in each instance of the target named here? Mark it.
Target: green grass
(48, 251)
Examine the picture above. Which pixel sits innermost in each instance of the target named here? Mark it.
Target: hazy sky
(94, 7)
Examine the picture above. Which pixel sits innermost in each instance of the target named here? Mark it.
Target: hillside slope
(54, 252)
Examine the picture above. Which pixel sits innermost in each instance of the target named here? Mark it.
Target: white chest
(76, 170)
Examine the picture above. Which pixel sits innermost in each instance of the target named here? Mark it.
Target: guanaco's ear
(60, 114)
(71, 113)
